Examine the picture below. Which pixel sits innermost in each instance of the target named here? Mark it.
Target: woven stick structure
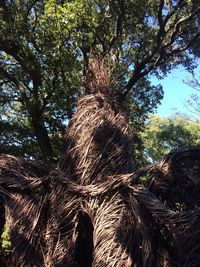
(92, 210)
(55, 221)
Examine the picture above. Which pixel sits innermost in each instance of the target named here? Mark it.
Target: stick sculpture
(92, 209)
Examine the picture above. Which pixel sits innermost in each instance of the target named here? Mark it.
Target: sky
(176, 93)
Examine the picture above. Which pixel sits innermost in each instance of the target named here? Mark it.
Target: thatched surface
(113, 223)
(177, 179)
(97, 142)
(25, 205)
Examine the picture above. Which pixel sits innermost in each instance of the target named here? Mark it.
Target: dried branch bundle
(92, 210)
(98, 76)
(97, 142)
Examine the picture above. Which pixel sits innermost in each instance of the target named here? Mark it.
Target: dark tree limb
(163, 48)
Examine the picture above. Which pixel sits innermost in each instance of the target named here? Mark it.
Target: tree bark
(42, 137)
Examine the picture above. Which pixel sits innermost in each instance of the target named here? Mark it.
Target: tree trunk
(42, 137)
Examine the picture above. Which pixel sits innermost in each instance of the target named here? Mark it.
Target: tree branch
(116, 33)
(118, 25)
(18, 85)
(32, 68)
(160, 51)
(4, 82)
(188, 45)
(5, 100)
(178, 25)
(5, 10)
(31, 5)
(160, 22)
(180, 4)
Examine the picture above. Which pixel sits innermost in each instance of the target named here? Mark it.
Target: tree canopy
(46, 54)
(165, 134)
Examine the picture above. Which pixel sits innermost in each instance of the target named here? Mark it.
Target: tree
(163, 135)
(91, 209)
(47, 48)
(193, 103)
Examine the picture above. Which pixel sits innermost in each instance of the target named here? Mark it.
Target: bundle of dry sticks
(92, 208)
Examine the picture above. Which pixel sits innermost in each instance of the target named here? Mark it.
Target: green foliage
(6, 244)
(162, 135)
(46, 48)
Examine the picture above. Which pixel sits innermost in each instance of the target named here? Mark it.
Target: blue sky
(176, 93)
